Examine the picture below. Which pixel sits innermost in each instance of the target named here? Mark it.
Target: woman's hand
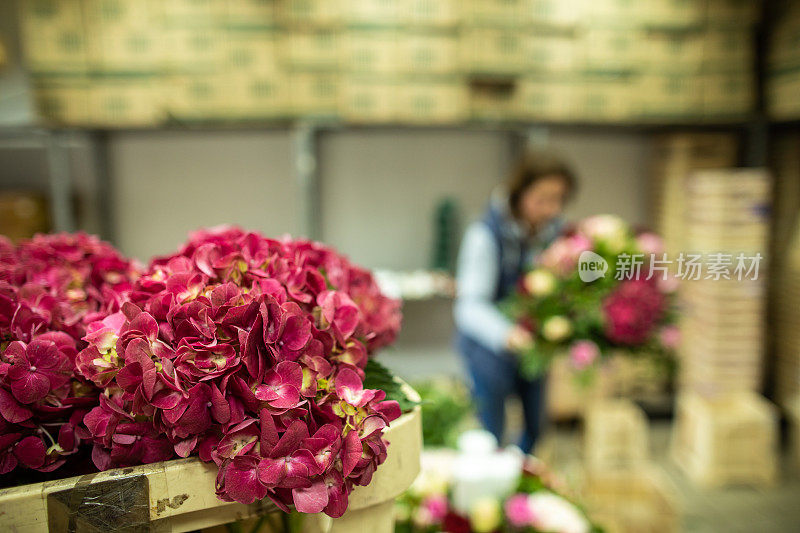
(519, 339)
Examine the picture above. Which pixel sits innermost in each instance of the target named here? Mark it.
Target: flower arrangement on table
(246, 351)
(599, 289)
(536, 503)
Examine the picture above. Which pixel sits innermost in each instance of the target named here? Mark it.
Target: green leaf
(379, 377)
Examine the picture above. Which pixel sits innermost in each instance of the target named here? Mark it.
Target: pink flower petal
(32, 387)
(311, 499)
(11, 410)
(31, 452)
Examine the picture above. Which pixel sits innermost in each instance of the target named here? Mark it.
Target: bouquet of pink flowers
(249, 352)
(537, 504)
(599, 289)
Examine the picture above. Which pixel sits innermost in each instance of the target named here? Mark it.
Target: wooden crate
(614, 436)
(633, 501)
(728, 440)
(176, 496)
(567, 397)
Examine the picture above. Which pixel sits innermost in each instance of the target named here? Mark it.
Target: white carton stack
(725, 432)
(724, 295)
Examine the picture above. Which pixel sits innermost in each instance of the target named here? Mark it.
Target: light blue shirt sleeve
(476, 315)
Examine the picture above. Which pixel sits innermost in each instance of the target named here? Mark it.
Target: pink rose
(436, 507)
(583, 353)
(650, 243)
(518, 510)
(670, 337)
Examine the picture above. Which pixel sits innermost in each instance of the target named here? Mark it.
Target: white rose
(554, 513)
(556, 328)
(604, 227)
(540, 282)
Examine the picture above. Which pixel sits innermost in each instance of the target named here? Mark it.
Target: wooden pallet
(177, 496)
(567, 397)
(631, 501)
(614, 436)
(728, 440)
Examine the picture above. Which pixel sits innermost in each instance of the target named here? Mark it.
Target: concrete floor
(730, 510)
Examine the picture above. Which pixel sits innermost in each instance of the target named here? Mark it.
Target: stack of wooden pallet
(567, 396)
(729, 440)
(615, 436)
(623, 490)
(723, 292)
(725, 432)
(633, 501)
(675, 157)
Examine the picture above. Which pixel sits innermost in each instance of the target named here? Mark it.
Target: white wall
(612, 172)
(167, 184)
(378, 188)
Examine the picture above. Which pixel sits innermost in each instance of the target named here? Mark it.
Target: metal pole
(103, 185)
(60, 178)
(307, 176)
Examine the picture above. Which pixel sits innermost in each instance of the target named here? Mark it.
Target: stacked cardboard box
(400, 62)
(124, 62)
(730, 440)
(311, 51)
(783, 81)
(56, 52)
(675, 157)
(727, 232)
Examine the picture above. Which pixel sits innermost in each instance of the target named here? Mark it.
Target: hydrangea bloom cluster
(51, 287)
(249, 352)
(633, 311)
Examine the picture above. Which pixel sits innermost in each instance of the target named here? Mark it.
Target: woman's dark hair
(533, 166)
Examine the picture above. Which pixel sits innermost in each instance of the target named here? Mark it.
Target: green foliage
(446, 233)
(378, 376)
(446, 405)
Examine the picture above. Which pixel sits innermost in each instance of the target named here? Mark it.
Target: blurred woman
(518, 224)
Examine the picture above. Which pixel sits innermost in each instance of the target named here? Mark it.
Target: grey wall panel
(166, 184)
(379, 188)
